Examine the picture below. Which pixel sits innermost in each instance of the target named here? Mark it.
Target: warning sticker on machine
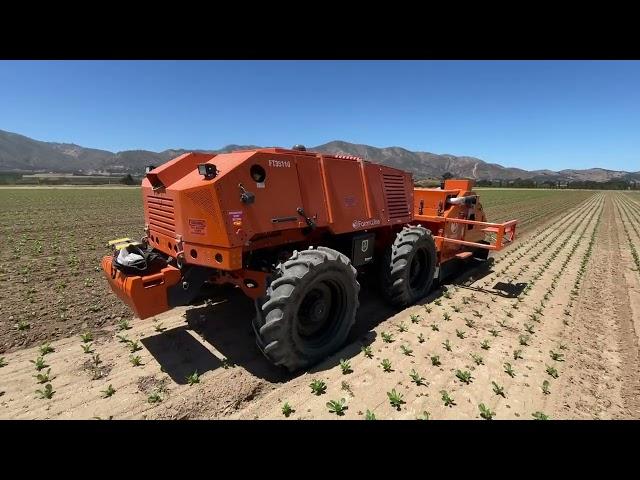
(236, 218)
(197, 227)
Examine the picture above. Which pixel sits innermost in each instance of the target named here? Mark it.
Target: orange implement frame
(504, 232)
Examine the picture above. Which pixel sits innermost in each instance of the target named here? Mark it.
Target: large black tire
(308, 309)
(408, 266)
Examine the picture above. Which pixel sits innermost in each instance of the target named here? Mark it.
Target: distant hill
(24, 154)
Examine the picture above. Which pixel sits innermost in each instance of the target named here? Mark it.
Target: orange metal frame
(505, 232)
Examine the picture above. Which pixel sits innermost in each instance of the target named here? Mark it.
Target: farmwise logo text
(365, 223)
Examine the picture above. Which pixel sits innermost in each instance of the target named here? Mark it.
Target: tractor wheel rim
(418, 270)
(320, 311)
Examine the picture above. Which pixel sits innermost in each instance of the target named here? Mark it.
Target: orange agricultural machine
(294, 229)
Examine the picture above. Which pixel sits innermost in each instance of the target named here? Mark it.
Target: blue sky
(527, 114)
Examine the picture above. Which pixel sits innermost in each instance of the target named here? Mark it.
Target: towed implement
(294, 230)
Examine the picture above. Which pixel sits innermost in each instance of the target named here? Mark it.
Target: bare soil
(571, 282)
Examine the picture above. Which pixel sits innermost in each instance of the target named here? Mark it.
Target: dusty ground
(579, 295)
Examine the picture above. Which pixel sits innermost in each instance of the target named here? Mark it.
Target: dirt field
(551, 328)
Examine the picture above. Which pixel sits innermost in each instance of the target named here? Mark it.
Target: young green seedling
(193, 378)
(415, 318)
(386, 365)
(435, 327)
(477, 359)
(39, 363)
(447, 294)
(524, 339)
(517, 354)
(494, 332)
(23, 325)
(416, 378)
(509, 370)
(446, 317)
(337, 406)
(545, 387)
(502, 323)
(108, 392)
(386, 337)
(456, 309)
(96, 359)
(447, 345)
(420, 338)
(464, 377)
(425, 416)
(159, 328)
(485, 412)
(459, 334)
(437, 301)
(476, 313)
(509, 314)
(552, 371)
(345, 366)
(46, 393)
(46, 348)
(134, 346)
(556, 356)
(366, 351)
(154, 397)
(402, 328)
(435, 360)
(485, 345)
(540, 416)
(318, 387)
(2, 362)
(123, 339)
(287, 410)
(395, 399)
(447, 399)
(498, 390)
(529, 328)
(427, 308)
(136, 361)
(406, 350)
(369, 415)
(86, 347)
(44, 377)
(123, 325)
(469, 322)
(86, 337)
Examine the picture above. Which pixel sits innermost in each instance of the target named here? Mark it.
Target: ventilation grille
(396, 195)
(202, 198)
(161, 215)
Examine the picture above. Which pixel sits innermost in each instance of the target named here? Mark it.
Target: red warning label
(197, 227)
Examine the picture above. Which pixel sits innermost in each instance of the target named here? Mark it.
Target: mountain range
(23, 154)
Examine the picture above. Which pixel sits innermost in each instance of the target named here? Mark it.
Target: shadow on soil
(226, 326)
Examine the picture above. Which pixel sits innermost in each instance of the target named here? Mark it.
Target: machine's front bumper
(146, 295)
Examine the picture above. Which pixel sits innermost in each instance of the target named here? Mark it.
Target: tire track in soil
(601, 374)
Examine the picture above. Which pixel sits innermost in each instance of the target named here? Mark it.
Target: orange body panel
(146, 295)
(185, 212)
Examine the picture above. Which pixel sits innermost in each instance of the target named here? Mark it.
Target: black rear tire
(308, 310)
(408, 266)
